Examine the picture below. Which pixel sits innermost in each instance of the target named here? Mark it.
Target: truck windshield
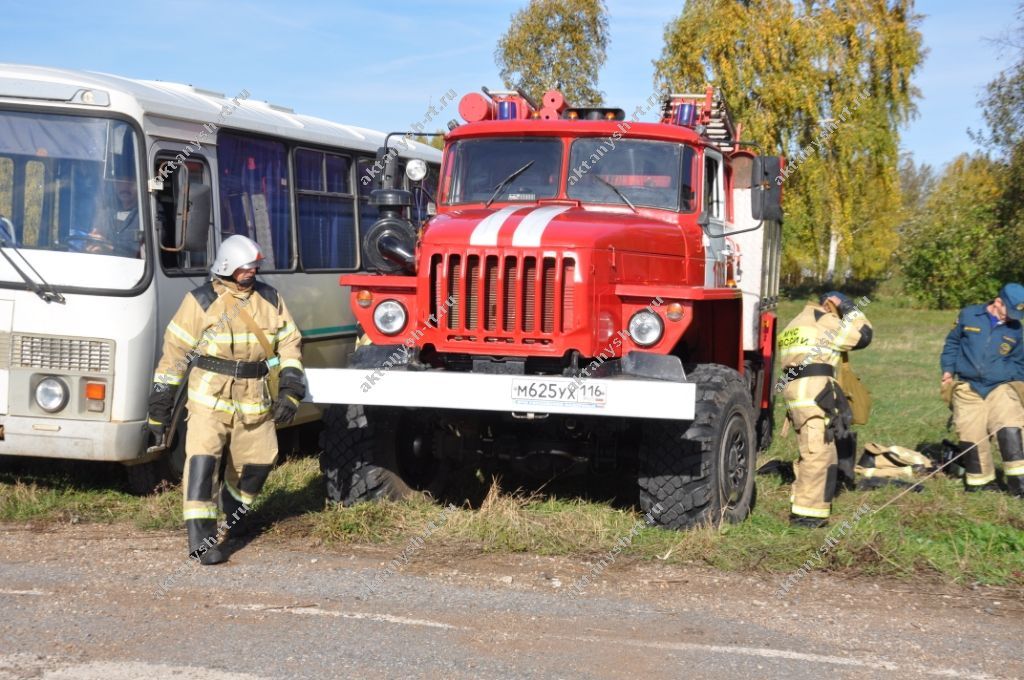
(480, 166)
(648, 173)
(68, 183)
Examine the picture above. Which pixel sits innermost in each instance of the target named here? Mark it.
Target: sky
(382, 66)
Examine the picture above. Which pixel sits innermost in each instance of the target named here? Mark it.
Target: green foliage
(436, 141)
(556, 43)
(1003, 109)
(828, 82)
(966, 237)
(952, 247)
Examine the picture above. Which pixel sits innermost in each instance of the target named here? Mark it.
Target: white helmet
(236, 252)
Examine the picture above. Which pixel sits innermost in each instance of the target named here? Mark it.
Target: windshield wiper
(48, 294)
(502, 183)
(614, 188)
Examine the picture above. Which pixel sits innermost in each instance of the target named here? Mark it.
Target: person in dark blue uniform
(984, 352)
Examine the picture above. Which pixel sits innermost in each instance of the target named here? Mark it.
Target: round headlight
(389, 317)
(645, 328)
(51, 394)
(416, 170)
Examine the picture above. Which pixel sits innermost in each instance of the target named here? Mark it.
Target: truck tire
(702, 471)
(377, 453)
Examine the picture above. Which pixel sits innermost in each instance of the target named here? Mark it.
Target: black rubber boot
(202, 541)
(807, 522)
(236, 515)
(1011, 447)
(972, 466)
(1015, 486)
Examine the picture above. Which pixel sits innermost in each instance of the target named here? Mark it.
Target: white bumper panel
(627, 397)
(75, 439)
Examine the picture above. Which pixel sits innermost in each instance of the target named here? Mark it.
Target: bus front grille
(53, 353)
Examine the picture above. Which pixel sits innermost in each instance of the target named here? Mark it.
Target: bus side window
(326, 210)
(190, 261)
(255, 197)
(368, 214)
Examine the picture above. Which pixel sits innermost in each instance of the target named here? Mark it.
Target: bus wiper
(614, 188)
(47, 294)
(502, 183)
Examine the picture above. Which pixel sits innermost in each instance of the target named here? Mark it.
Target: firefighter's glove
(161, 404)
(285, 408)
(292, 388)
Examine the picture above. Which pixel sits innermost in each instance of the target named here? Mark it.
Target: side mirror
(765, 192)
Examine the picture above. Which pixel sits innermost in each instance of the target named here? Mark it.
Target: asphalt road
(112, 602)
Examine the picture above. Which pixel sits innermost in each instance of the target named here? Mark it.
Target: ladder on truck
(712, 114)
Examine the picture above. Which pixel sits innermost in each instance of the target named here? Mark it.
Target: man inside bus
(239, 332)
(115, 230)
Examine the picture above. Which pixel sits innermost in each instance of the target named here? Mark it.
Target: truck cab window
(712, 188)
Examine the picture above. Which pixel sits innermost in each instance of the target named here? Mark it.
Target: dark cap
(1012, 296)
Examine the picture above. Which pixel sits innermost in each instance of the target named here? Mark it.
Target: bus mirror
(197, 231)
(765, 192)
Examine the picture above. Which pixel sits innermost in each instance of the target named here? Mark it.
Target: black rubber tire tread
(145, 478)
(357, 455)
(677, 462)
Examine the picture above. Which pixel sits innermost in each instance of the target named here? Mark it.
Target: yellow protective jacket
(208, 323)
(816, 336)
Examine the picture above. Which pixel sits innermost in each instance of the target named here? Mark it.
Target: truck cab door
(713, 219)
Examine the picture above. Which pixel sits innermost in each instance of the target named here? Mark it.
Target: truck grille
(503, 298)
(61, 354)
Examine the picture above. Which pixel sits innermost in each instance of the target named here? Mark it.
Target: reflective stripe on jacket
(219, 331)
(817, 336)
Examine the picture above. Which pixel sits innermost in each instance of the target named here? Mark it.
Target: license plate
(534, 392)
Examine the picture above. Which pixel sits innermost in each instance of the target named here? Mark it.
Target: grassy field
(940, 534)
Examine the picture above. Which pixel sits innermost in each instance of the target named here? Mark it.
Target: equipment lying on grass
(895, 462)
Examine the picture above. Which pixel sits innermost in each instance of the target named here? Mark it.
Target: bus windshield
(69, 183)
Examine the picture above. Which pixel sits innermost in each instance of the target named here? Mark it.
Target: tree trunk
(833, 253)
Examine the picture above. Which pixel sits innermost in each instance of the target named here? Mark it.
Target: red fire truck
(593, 292)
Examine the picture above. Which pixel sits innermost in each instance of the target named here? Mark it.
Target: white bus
(114, 195)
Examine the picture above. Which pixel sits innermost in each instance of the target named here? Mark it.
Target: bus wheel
(702, 471)
(377, 453)
(145, 478)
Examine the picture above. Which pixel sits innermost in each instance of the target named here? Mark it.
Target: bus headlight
(389, 317)
(646, 328)
(51, 394)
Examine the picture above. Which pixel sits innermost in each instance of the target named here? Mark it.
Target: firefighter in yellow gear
(810, 350)
(229, 402)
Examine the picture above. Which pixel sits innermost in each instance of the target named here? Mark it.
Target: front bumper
(74, 439)
(619, 396)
